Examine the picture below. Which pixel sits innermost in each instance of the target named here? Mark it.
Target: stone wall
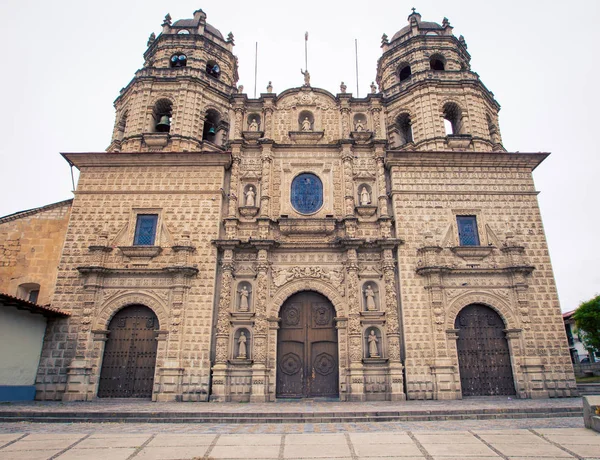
(511, 271)
(30, 247)
(101, 271)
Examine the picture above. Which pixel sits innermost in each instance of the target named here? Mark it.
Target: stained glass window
(145, 230)
(467, 230)
(307, 193)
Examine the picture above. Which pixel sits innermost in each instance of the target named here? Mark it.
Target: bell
(211, 130)
(164, 125)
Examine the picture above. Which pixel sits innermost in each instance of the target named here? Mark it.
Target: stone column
(234, 182)
(239, 122)
(268, 128)
(265, 194)
(382, 199)
(392, 324)
(345, 118)
(356, 373)
(83, 372)
(348, 160)
(259, 367)
(219, 381)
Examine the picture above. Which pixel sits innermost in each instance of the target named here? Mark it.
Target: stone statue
(306, 124)
(373, 351)
(359, 126)
(242, 354)
(244, 294)
(240, 89)
(365, 198)
(373, 88)
(306, 77)
(250, 197)
(370, 295)
(343, 88)
(269, 88)
(253, 125)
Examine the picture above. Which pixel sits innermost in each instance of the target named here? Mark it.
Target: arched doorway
(129, 354)
(307, 349)
(483, 355)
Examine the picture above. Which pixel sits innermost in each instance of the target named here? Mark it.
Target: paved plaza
(526, 437)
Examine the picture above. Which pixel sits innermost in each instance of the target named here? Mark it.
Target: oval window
(307, 193)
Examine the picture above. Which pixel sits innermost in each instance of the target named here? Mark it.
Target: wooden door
(129, 354)
(307, 354)
(483, 354)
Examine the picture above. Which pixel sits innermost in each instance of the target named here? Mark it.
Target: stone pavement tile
(303, 439)
(567, 431)
(530, 450)
(458, 450)
(441, 433)
(380, 438)
(97, 454)
(435, 438)
(181, 440)
(566, 439)
(533, 457)
(254, 452)
(133, 440)
(171, 453)
(523, 438)
(309, 450)
(249, 440)
(53, 437)
(470, 458)
(29, 454)
(387, 450)
(395, 457)
(47, 444)
(4, 438)
(480, 431)
(584, 450)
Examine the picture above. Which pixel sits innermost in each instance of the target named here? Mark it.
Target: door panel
(483, 354)
(129, 354)
(307, 356)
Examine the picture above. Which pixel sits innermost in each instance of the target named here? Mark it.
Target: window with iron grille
(145, 230)
(467, 230)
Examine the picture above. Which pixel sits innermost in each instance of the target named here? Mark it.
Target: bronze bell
(211, 130)
(164, 125)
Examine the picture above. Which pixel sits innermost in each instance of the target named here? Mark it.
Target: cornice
(451, 158)
(97, 159)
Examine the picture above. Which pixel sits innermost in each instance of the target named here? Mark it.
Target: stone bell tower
(435, 101)
(180, 97)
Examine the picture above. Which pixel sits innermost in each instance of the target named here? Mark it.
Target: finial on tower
(167, 21)
(151, 39)
(414, 10)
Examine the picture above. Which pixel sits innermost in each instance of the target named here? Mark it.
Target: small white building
(22, 329)
(576, 347)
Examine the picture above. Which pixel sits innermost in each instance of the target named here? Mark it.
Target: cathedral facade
(305, 244)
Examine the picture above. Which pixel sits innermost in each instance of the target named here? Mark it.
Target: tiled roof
(28, 212)
(46, 310)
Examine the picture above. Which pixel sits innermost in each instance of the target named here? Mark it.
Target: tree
(587, 320)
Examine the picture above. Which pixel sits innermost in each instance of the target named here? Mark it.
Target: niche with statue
(370, 297)
(360, 131)
(244, 297)
(374, 345)
(241, 346)
(249, 205)
(253, 129)
(366, 202)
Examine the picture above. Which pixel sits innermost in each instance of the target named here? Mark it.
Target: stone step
(588, 388)
(286, 417)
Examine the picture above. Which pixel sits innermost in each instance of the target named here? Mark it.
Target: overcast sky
(64, 63)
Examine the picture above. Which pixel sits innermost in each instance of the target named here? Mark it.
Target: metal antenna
(356, 51)
(306, 51)
(255, 67)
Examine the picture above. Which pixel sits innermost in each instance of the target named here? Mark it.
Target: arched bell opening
(129, 359)
(211, 126)
(483, 353)
(161, 115)
(307, 348)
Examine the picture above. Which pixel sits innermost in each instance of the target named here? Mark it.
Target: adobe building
(305, 244)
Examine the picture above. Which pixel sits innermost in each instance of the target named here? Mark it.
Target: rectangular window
(33, 295)
(467, 230)
(145, 230)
